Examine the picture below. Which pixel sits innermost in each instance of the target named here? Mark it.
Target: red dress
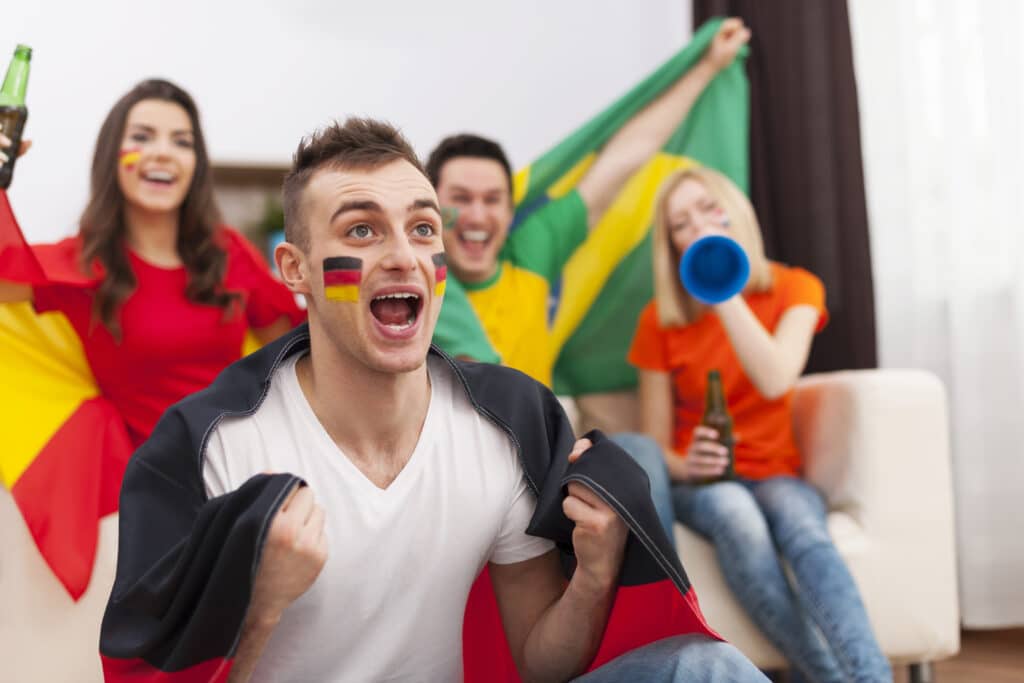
(171, 347)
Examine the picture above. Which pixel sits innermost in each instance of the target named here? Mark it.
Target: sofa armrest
(876, 443)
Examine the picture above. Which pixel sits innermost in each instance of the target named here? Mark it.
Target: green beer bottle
(716, 416)
(13, 112)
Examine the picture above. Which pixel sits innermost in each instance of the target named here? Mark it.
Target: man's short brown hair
(467, 145)
(360, 143)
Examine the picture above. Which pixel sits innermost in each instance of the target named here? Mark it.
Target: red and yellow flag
(65, 446)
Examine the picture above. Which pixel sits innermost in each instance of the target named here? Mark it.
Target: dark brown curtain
(807, 181)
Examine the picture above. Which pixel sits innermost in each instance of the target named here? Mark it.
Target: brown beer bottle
(13, 112)
(716, 416)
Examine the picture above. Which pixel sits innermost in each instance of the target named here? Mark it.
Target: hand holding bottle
(6, 142)
(705, 458)
(13, 113)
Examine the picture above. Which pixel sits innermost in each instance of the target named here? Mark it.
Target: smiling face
(373, 268)
(157, 159)
(479, 189)
(692, 213)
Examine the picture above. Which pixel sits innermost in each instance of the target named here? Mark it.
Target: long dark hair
(102, 225)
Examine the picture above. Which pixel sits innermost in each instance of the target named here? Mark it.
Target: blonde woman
(759, 341)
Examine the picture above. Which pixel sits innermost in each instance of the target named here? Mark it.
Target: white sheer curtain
(941, 89)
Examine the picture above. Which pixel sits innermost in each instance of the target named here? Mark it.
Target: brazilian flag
(608, 280)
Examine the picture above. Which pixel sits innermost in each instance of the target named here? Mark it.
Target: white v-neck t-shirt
(389, 603)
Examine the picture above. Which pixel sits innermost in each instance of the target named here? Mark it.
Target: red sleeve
(803, 288)
(65, 288)
(46, 298)
(649, 351)
(267, 298)
(41, 263)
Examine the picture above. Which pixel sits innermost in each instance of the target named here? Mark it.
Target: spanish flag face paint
(129, 158)
(440, 273)
(342, 276)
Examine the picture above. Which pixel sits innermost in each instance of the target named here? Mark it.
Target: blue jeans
(692, 658)
(818, 622)
(648, 454)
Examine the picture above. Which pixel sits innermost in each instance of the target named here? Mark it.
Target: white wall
(268, 71)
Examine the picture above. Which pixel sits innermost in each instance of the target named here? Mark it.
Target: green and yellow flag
(608, 280)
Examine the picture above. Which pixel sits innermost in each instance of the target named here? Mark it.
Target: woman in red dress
(158, 291)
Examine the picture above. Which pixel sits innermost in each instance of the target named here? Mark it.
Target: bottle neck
(12, 93)
(714, 400)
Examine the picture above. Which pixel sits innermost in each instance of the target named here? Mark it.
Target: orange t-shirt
(765, 428)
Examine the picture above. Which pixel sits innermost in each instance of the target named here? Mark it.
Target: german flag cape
(186, 562)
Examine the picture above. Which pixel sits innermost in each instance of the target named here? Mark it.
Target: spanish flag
(608, 280)
(65, 447)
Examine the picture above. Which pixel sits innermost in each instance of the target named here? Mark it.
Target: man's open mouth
(396, 310)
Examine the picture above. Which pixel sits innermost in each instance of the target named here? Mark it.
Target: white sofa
(876, 443)
(46, 637)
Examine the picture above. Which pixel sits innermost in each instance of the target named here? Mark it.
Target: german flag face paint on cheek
(342, 276)
(129, 157)
(440, 273)
(449, 217)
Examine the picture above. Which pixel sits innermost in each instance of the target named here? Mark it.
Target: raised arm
(772, 361)
(649, 130)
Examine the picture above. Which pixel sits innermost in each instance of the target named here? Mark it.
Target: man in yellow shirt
(507, 276)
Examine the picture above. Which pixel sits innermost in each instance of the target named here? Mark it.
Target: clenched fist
(731, 36)
(294, 552)
(599, 539)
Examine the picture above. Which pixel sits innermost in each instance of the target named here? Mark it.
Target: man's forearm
(255, 635)
(639, 139)
(566, 638)
(653, 125)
